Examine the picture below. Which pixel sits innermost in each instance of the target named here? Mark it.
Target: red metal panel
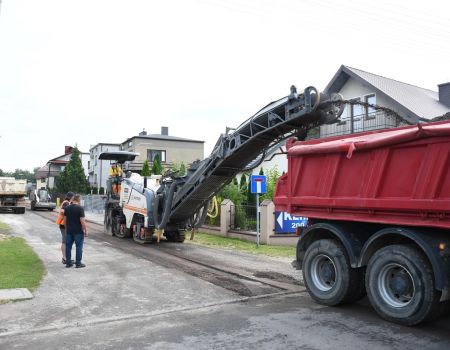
(399, 176)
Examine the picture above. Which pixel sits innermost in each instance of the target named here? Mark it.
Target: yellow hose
(213, 209)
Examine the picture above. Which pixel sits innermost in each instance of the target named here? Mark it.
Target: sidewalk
(95, 218)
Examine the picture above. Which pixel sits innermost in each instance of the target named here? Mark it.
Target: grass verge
(20, 267)
(4, 228)
(241, 245)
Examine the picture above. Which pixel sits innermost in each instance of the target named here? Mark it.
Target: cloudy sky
(89, 71)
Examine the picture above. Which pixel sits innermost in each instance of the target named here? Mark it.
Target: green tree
(73, 177)
(233, 192)
(157, 167)
(24, 174)
(261, 171)
(146, 169)
(21, 174)
(272, 178)
(182, 169)
(251, 197)
(243, 182)
(179, 169)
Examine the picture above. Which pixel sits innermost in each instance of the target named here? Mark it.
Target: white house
(99, 169)
(411, 104)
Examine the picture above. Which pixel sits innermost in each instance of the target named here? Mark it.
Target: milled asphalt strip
(144, 316)
(239, 274)
(275, 284)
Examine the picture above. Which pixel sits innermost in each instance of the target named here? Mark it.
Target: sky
(100, 71)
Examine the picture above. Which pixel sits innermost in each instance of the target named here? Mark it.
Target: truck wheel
(107, 224)
(328, 276)
(400, 285)
(120, 228)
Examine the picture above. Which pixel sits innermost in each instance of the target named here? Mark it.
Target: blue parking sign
(258, 184)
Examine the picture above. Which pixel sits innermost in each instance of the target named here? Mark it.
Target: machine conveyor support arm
(233, 151)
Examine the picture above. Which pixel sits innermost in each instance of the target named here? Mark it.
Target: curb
(15, 294)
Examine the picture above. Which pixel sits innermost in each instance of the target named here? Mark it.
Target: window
(151, 154)
(370, 112)
(344, 117)
(356, 116)
(130, 143)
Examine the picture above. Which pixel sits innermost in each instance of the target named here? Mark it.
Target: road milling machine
(171, 204)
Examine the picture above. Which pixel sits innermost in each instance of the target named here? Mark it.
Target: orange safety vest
(60, 218)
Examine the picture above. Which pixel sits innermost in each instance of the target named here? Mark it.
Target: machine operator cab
(118, 176)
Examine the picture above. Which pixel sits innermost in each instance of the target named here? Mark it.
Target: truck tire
(328, 276)
(400, 285)
(119, 227)
(107, 223)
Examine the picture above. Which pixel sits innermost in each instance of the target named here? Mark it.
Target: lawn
(240, 245)
(20, 267)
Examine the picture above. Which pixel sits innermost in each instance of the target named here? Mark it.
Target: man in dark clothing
(76, 230)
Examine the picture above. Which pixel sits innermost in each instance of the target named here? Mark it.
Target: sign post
(258, 184)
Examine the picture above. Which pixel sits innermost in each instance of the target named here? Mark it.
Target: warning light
(441, 246)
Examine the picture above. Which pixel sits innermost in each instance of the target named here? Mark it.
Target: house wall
(85, 163)
(176, 151)
(354, 89)
(99, 169)
(41, 183)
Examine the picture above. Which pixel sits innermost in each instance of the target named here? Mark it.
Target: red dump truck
(378, 205)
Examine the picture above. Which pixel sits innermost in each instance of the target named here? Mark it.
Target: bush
(101, 190)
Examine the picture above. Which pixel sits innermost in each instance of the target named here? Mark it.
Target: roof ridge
(398, 81)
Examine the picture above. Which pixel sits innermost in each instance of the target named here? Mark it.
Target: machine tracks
(170, 255)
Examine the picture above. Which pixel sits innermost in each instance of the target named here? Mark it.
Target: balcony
(354, 124)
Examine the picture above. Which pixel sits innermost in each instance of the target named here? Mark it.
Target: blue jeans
(78, 238)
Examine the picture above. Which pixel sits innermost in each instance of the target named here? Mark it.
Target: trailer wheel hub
(396, 285)
(323, 272)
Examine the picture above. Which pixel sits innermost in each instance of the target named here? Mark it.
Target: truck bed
(396, 176)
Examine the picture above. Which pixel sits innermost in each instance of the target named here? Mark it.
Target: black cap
(69, 195)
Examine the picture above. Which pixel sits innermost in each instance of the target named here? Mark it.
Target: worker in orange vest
(60, 222)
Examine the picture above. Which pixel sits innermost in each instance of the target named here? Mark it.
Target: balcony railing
(365, 122)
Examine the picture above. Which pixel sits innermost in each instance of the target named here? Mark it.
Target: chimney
(444, 94)
(143, 133)
(68, 149)
(165, 130)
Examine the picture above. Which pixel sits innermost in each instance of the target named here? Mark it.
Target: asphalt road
(180, 296)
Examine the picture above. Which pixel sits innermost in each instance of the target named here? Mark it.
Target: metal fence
(243, 218)
(359, 123)
(93, 203)
(213, 221)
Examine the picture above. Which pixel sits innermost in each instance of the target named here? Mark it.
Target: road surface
(181, 296)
